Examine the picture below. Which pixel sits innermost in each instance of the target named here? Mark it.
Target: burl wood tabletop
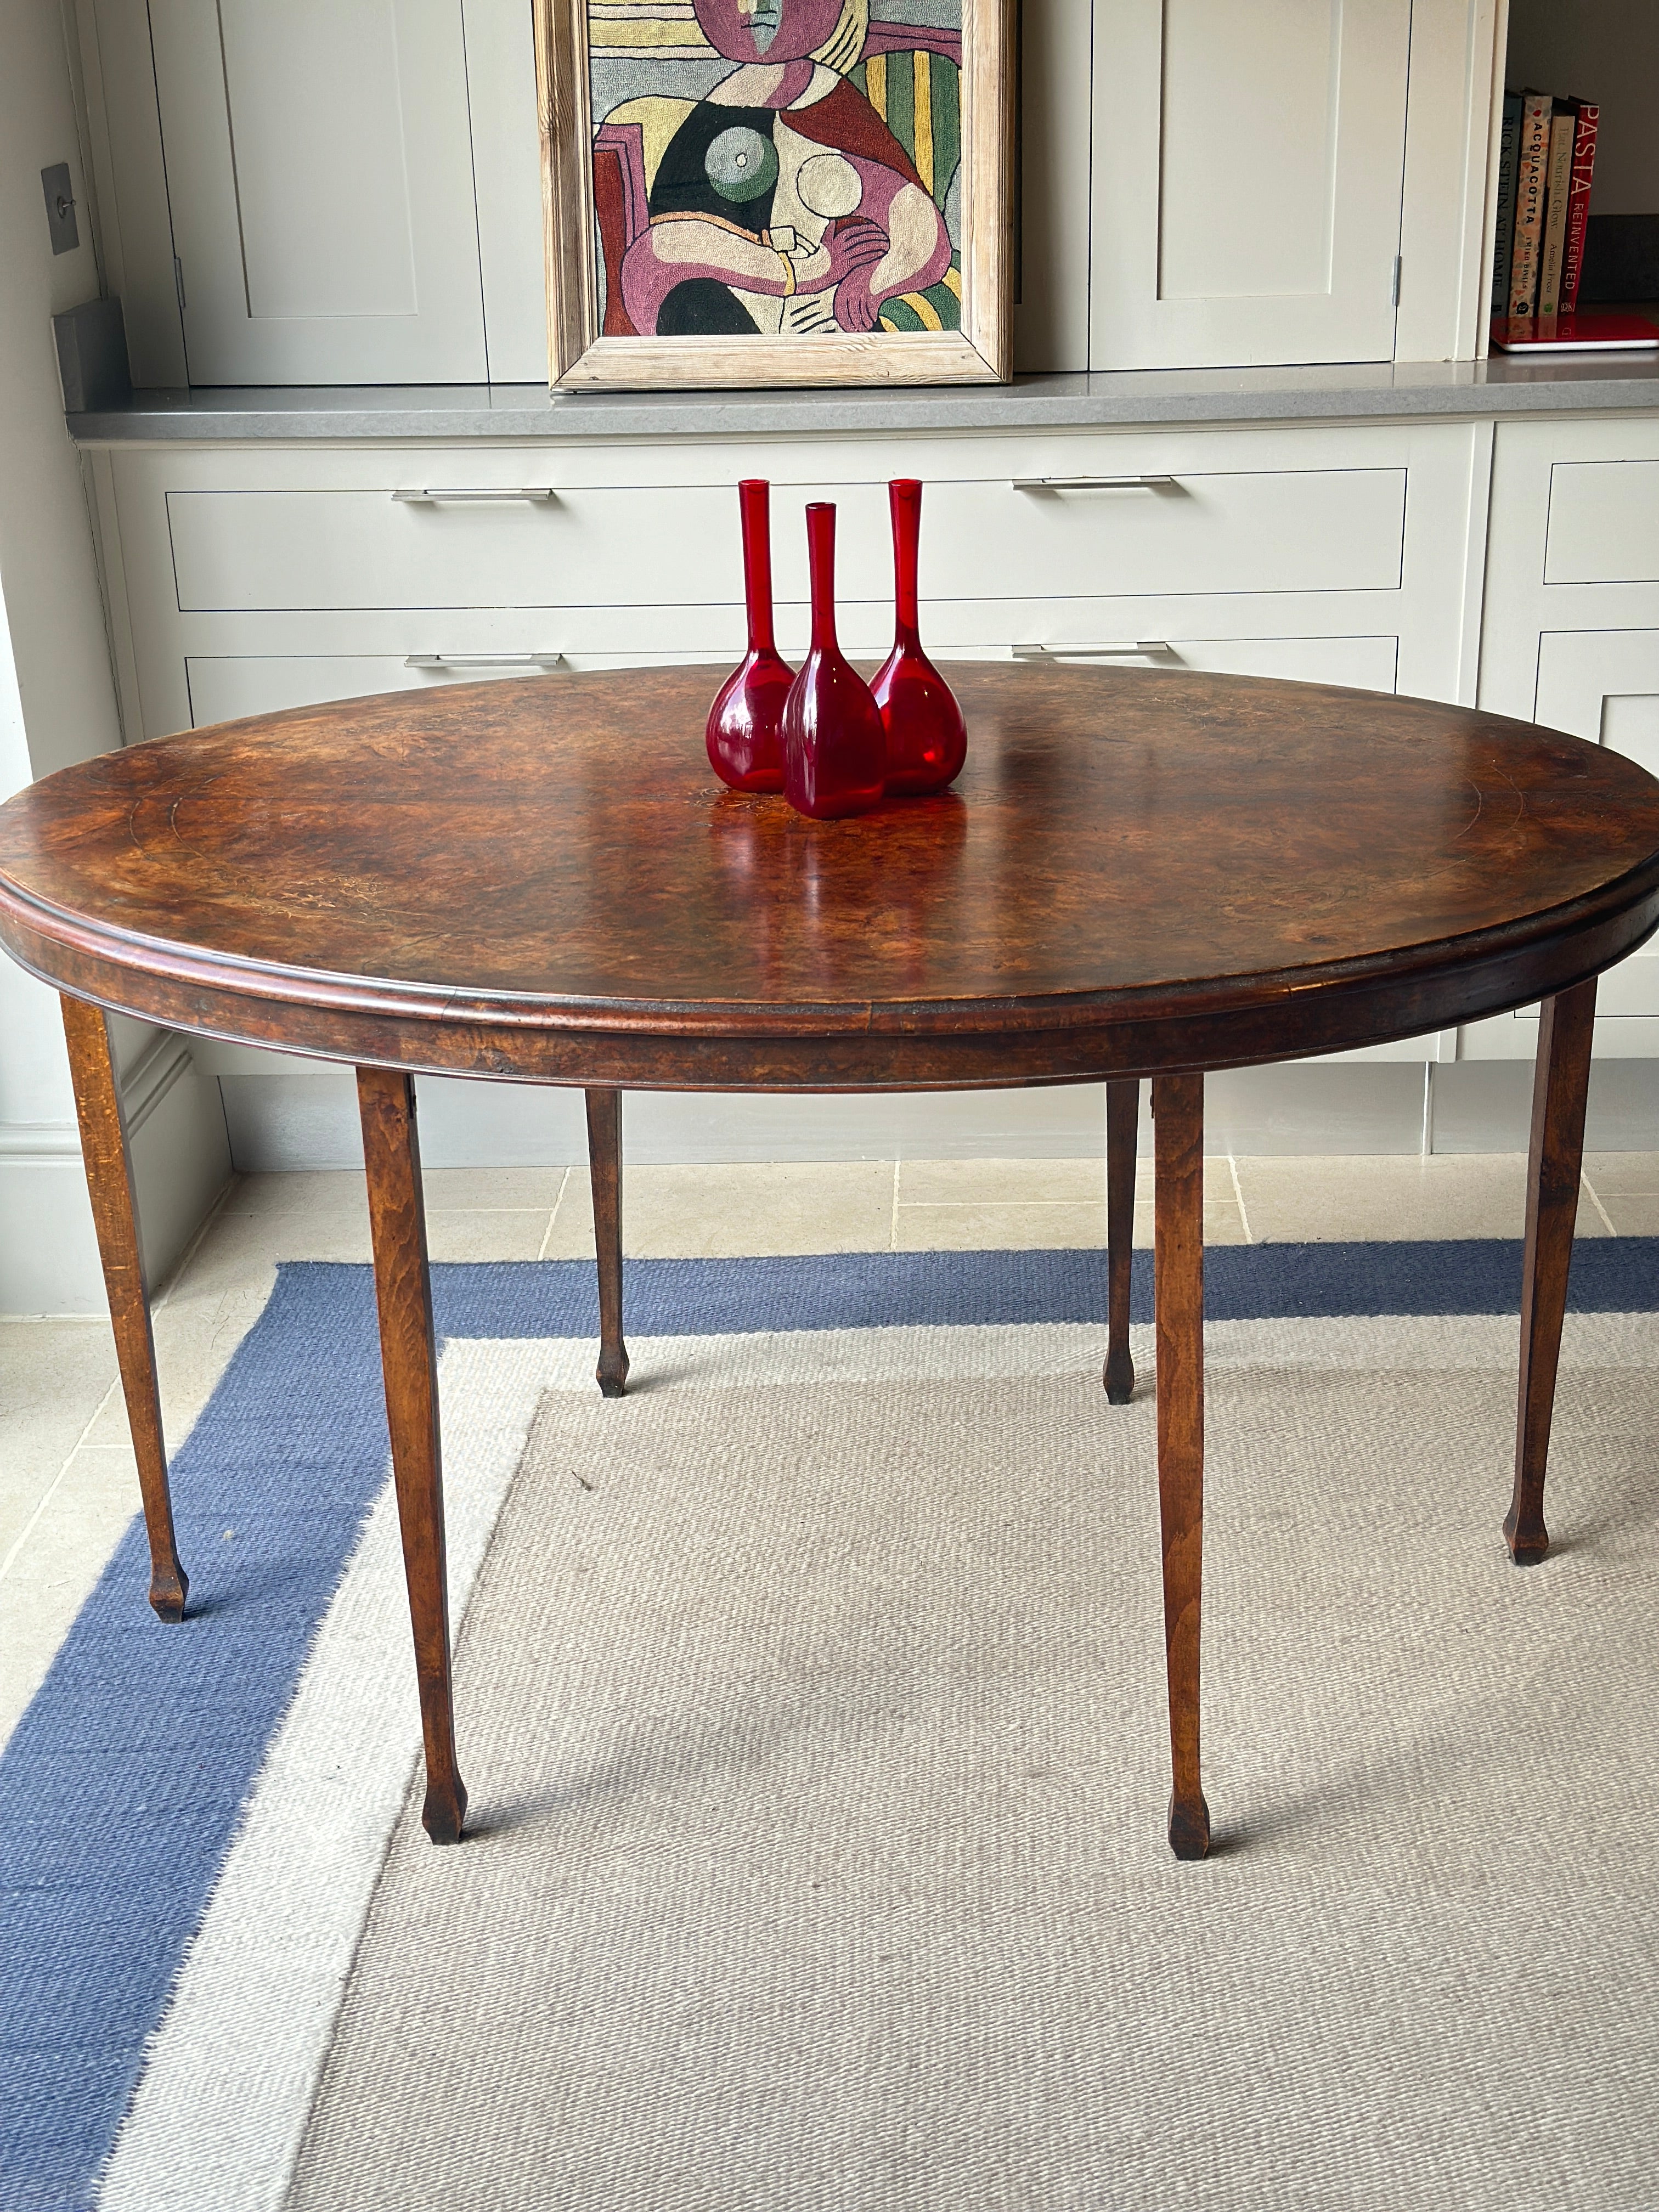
(1124, 849)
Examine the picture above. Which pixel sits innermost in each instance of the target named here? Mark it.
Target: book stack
(1545, 164)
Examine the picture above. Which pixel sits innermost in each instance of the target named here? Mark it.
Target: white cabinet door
(1247, 175)
(1602, 685)
(319, 174)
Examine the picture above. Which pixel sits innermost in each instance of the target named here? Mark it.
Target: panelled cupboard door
(319, 172)
(1248, 165)
(1602, 684)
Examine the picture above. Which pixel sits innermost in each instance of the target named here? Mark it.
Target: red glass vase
(835, 748)
(745, 723)
(926, 738)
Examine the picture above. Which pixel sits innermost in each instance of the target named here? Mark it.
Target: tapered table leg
(408, 1359)
(605, 1171)
(115, 1216)
(1122, 1114)
(1559, 1086)
(1178, 1129)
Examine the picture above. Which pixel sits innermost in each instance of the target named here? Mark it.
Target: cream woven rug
(812, 1701)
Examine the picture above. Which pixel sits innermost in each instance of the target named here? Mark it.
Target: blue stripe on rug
(107, 1862)
(889, 1289)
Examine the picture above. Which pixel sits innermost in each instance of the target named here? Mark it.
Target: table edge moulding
(1136, 876)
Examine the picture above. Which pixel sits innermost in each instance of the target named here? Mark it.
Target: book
(1583, 166)
(1558, 183)
(1504, 237)
(1592, 332)
(1532, 153)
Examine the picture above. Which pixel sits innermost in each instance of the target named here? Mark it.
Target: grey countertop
(1121, 398)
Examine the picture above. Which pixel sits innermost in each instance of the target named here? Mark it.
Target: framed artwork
(776, 191)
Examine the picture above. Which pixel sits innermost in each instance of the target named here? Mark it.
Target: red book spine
(1583, 166)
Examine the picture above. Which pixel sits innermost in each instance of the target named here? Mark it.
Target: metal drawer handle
(1132, 648)
(1094, 483)
(484, 660)
(430, 495)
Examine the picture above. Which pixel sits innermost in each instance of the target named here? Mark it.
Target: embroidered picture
(777, 191)
(785, 167)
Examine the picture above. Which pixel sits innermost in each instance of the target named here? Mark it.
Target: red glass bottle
(745, 723)
(835, 749)
(926, 738)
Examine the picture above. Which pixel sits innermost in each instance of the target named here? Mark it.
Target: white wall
(57, 705)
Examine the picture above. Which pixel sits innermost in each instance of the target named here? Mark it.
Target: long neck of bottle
(821, 563)
(904, 499)
(753, 498)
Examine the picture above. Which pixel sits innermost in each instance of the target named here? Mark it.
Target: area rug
(810, 1701)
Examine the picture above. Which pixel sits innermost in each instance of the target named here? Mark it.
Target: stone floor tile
(54, 1375)
(1288, 1201)
(730, 1210)
(970, 1227)
(1623, 1174)
(467, 1234)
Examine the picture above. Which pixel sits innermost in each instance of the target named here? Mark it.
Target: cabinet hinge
(1394, 296)
(178, 281)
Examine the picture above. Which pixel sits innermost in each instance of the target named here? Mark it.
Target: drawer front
(1279, 530)
(1242, 531)
(224, 687)
(1367, 664)
(1604, 523)
(319, 549)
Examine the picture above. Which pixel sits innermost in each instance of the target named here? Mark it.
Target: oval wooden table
(1139, 875)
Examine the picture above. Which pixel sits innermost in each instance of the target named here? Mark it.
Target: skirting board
(181, 1160)
(287, 1121)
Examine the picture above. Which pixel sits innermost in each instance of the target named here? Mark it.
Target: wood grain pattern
(1139, 872)
(115, 1216)
(1560, 1086)
(409, 1358)
(605, 1172)
(1122, 1116)
(1178, 1262)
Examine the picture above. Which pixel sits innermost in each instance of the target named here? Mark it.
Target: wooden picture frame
(604, 181)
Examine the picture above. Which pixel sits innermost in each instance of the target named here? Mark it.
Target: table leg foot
(1189, 1828)
(167, 1593)
(115, 1216)
(1527, 1548)
(605, 1171)
(409, 1360)
(1554, 1166)
(443, 1815)
(1178, 1105)
(1122, 1114)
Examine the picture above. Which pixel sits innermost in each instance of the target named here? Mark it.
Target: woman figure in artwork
(781, 203)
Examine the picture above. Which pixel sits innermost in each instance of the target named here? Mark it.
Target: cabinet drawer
(1365, 664)
(1604, 523)
(225, 687)
(1202, 533)
(366, 549)
(1277, 530)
